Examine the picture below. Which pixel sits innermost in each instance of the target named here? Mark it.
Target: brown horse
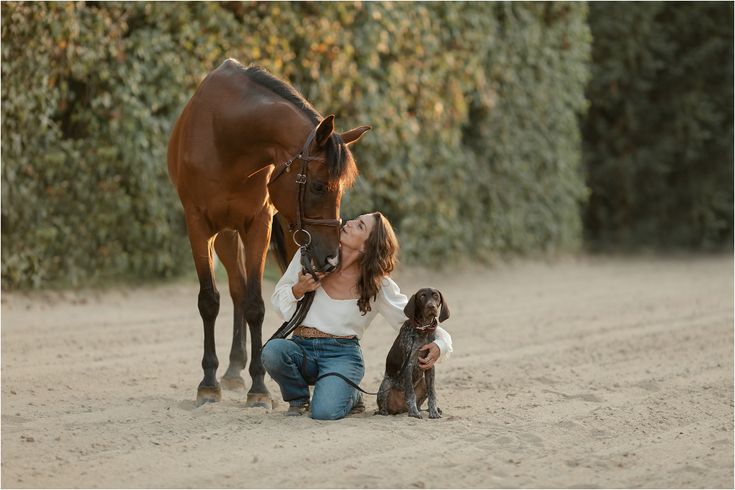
(230, 158)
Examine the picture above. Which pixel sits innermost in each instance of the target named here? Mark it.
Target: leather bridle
(302, 308)
(301, 179)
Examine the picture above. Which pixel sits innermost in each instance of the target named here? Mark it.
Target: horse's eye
(318, 188)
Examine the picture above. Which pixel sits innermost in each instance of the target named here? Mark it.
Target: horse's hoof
(208, 394)
(234, 383)
(260, 400)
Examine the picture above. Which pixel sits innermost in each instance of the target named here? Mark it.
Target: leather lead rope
(302, 307)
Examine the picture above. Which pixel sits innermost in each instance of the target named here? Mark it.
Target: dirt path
(585, 373)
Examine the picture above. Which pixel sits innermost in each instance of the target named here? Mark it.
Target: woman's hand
(426, 362)
(306, 284)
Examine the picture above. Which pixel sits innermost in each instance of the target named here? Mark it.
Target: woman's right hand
(306, 284)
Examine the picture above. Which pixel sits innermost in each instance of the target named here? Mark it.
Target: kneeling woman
(345, 303)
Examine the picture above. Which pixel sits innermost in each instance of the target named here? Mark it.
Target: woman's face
(356, 231)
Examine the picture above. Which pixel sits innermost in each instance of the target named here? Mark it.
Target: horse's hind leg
(230, 251)
(256, 246)
(201, 239)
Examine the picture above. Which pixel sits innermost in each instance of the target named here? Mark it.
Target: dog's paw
(435, 414)
(415, 414)
(380, 412)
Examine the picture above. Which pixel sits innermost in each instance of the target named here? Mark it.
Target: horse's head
(311, 204)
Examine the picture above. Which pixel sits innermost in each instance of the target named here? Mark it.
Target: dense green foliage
(475, 107)
(87, 105)
(475, 148)
(659, 136)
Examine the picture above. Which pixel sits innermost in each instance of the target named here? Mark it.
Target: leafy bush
(475, 148)
(659, 136)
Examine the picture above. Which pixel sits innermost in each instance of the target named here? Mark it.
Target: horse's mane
(338, 157)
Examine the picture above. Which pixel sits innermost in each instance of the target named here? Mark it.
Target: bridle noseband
(301, 179)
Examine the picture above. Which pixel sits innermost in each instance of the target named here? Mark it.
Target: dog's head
(425, 305)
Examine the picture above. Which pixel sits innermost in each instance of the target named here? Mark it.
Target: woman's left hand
(433, 355)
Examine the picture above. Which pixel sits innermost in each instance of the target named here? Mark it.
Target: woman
(345, 303)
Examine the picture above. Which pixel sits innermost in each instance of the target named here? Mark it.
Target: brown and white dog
(405, 385)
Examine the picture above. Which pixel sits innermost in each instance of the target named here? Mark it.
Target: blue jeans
(333, 398)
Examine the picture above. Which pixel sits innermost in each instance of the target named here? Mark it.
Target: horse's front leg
(208, 303)
(256, 247)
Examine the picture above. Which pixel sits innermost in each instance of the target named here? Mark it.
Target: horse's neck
(289, 135)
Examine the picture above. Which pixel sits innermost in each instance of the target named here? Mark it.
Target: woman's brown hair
(378, 260)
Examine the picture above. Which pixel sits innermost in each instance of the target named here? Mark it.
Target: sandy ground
(592, 372)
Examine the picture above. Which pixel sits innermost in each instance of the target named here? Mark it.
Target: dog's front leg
(413, 410)
(383, 393)
(434, 412)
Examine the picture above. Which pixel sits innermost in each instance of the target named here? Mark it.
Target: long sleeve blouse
(342, 316)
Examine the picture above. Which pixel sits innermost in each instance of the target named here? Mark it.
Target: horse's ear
(324, 130)
(445, 308)
(410, 309)
(354, 135)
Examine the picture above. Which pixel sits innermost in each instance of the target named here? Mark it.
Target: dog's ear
(410, 309)
(445, 308)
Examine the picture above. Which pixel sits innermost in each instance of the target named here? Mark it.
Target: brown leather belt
(313, 333)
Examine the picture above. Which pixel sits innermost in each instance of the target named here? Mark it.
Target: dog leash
(302, 370)
(352, 383)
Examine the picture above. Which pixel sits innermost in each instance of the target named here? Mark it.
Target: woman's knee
(332, 404)
(274, 353)
(323, 411)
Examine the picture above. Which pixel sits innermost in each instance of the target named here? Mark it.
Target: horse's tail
(278, 243)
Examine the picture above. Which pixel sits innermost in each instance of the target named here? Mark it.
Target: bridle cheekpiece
(301, 180)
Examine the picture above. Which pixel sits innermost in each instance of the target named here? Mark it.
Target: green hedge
(659, 136)
(475, 148)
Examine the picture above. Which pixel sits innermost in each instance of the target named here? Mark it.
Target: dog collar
(430, 327)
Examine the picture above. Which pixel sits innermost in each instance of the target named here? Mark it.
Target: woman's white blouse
(342, 316)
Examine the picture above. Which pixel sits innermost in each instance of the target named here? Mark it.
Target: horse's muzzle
(332, 262)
